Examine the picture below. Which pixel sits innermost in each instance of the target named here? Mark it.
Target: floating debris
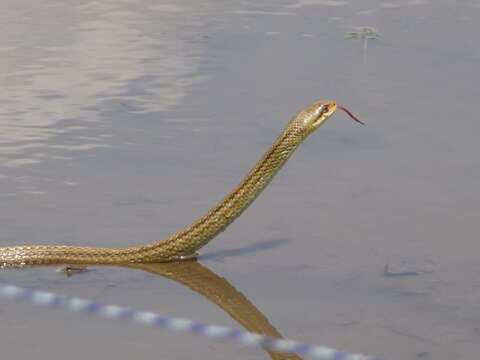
(407, 268)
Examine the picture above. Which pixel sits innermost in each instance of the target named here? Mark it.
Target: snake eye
(323, 109)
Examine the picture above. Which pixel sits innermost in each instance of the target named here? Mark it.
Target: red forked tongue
(350, 113)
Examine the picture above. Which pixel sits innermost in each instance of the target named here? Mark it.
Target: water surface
(121, 121)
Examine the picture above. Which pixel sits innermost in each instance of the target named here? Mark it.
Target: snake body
(184, 243)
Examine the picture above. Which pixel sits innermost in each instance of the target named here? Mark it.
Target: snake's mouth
(350, 114)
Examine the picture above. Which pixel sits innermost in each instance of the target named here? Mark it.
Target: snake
(184, 243)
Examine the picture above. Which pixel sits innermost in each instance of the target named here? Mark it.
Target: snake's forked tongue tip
(350, 114)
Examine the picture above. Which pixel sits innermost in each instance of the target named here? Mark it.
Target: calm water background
(121, 121)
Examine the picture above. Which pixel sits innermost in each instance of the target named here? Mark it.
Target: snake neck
(193, 237)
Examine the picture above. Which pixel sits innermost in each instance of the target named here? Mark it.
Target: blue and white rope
(242, 337)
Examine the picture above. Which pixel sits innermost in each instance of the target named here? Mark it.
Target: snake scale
(184, 243)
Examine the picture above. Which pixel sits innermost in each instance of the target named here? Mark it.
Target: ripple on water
(66, 63)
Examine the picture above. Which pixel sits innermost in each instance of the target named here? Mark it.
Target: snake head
(317, 113)
(309, 119)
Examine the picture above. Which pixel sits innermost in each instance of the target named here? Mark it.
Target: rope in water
(110, 311)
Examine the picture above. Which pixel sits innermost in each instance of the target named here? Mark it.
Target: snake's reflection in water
(216, 289)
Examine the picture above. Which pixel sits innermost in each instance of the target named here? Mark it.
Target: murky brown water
(121, 121)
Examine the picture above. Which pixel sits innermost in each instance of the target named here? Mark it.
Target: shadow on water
(257, 247)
